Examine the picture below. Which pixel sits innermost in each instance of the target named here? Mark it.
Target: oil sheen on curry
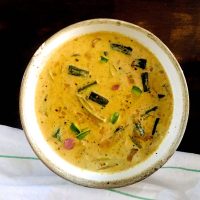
(103, 102)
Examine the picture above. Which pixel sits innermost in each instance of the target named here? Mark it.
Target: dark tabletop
(25, 25)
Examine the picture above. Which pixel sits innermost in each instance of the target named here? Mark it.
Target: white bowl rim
(109, 182)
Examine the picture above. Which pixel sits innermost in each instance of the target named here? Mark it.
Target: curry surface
(144, 116)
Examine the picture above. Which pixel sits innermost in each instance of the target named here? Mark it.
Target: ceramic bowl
(99, 179)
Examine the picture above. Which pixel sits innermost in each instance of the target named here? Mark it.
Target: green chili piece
(75, 128)
(114, 117)
(82, 134)
(136, 90)
(57, 134)
(103, 59)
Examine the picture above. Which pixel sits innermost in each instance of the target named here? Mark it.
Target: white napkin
(23, 176)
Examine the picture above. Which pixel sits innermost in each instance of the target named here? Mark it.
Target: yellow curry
(103, 102)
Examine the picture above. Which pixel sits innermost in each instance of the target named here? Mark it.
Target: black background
(25, 25)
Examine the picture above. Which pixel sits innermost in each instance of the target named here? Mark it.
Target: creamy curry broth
(103, 102)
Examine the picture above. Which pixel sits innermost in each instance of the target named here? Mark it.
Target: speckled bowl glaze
(83, 176)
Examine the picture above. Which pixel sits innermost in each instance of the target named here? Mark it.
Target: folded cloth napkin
(23, 176)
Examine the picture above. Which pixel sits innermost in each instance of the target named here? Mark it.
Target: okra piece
(98, 99)
(75, 71)
(121, 48)
(155, 125)
(145, 81)
(141, 63)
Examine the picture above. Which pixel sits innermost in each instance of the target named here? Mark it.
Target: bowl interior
(97, 179)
